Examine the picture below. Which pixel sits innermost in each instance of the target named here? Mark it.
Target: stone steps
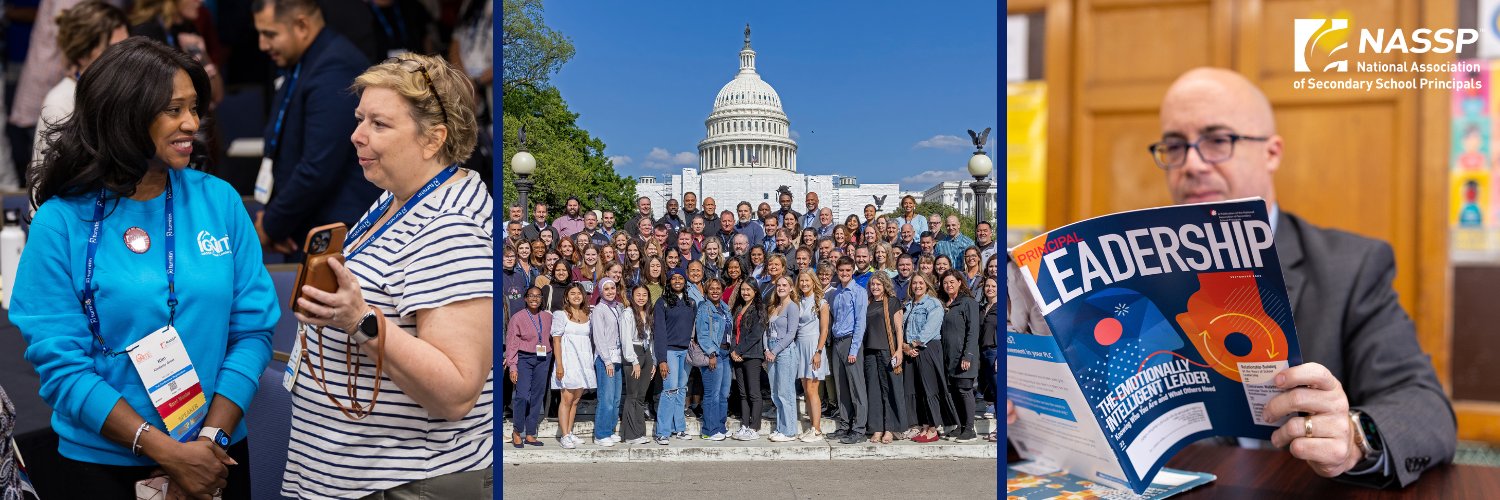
(583, 427)
(698, 450)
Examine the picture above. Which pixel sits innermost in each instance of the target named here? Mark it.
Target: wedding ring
(1307, 426)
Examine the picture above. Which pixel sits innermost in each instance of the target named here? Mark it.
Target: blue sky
(879, 90)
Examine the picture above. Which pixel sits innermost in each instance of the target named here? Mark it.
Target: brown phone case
(315, 269)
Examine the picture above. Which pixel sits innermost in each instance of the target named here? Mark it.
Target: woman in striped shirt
(406, 405)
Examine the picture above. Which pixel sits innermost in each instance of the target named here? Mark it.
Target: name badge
(541, 350)
(293, 364)
(162, 362)
(264, 181)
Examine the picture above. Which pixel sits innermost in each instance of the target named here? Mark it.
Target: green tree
(570, 162)
(533, 52)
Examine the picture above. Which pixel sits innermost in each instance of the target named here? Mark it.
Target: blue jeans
(716, 396)
(608, 392)
(784, 389)
(988, 377)
(669, 418)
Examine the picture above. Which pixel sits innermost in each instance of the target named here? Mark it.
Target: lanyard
(286, 102)
(536, 319)
(374, 215)
(386, 25)
(89, 307)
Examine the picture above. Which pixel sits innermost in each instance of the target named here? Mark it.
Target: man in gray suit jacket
(1366, 408)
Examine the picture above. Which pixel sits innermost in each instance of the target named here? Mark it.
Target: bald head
(1211, 104)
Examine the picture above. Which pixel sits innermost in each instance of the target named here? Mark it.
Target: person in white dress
(573, 344)
(812, 335)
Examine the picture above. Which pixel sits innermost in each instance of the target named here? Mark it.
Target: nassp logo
(1306, 35)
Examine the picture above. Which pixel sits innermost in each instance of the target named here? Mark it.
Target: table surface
(1250, 473)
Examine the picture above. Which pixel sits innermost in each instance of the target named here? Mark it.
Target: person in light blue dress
(812, 335)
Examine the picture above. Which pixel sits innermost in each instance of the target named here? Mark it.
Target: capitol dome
(747, 127)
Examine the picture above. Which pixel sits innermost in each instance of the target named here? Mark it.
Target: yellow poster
(1026, 159)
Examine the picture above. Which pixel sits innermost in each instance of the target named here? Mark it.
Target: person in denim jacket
(711, 324)
(924, 320)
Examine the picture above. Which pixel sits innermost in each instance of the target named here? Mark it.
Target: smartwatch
(368, 328)
(216, 435)
(1366, 437)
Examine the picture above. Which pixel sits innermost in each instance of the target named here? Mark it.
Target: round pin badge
(137, 240)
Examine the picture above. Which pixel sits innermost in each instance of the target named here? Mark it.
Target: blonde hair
(86, 26)
(452, 105)
(145, 11)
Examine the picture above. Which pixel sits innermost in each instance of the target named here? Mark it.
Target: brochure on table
(1168, 326)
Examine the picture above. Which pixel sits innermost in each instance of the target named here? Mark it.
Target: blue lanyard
(537, 320)
(89, 307)
(374, 215)
(291, 86)
(386, 25)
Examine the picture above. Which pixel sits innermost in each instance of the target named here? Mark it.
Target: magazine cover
(1168, 326)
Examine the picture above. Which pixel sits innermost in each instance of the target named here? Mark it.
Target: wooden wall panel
(1109, 61)
(1121, 174)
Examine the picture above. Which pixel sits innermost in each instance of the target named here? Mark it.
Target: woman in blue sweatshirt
(674, 317)
(125, 243)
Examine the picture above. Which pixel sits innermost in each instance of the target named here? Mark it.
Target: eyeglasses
(1212, 148)
(415, 66)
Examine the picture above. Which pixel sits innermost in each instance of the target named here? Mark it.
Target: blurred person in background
(310, 175)
(83, 32)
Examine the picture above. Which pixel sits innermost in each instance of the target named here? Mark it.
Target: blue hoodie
(226, 310)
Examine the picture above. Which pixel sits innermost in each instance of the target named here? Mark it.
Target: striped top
(439, 253)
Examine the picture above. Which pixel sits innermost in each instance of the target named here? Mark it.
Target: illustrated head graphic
(1320, 40)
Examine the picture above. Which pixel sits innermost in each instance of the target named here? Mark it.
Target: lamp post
(980, 167)
(523, 164)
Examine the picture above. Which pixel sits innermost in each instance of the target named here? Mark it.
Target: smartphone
(324, 243)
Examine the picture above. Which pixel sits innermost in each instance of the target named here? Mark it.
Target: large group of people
(881, 324)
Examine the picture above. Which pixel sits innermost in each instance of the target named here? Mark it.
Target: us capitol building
(749, 153)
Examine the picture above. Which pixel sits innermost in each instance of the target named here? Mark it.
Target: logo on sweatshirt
(208, 245)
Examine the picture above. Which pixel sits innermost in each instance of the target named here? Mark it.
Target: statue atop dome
(747, 35)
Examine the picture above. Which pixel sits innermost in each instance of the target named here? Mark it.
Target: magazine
(1168, 325)
(1026, 480)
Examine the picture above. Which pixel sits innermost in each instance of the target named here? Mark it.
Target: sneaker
(777, 437)
(989, 411)
(606, 442)
(851, 438)
(641, 440)
(662, 440)
(811, 437)
(718, 436)
(682, 436)
(568, 442)
(966, 436)
(743, 435)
